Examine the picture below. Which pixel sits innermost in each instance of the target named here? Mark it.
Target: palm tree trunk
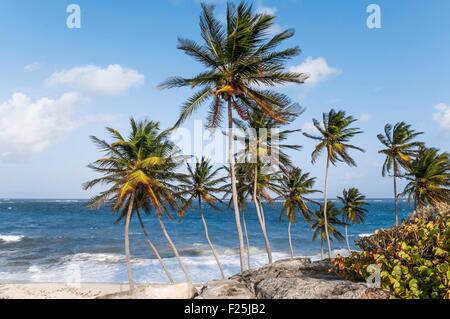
(290, 240)
(205, 226)
(325, 205)
(346, 238)
(153, 248)
(244, 223)
(175, 251)
(260, 216)
(127, 242)
(237, 215)
(395, 194)
(321, 249)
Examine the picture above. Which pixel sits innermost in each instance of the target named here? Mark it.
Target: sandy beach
(58, 291)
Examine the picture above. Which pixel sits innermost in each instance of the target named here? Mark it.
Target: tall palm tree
(325, 223)
(202, 185)
(294, 185)
(139, 172)
(335, 134)
(241, 60)
(265, 147)
(400, 151)
(353, 210)
(429, 178)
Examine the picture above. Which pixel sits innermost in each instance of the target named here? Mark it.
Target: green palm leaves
(240, 58)
(400, 147)
(429, 178)
(353, 210)
(335, 134)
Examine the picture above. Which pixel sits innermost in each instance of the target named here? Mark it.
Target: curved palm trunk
(395, 194)
(325, 205)
(260, 216)
(127, 243)
(247, 241)
(205, 226)
(153, 248)
(174, 249)
(290, 240)
(346, 238)
(237, 215)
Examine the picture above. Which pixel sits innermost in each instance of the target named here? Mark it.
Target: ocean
(62, 241)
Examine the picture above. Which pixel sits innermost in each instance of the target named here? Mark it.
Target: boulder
(225, 289)
(303, 279)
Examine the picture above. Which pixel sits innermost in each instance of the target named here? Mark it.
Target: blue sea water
(53, 240)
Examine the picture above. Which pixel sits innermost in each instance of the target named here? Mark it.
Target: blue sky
(53, 92)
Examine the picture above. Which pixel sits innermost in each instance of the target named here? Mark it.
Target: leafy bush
(413, 257)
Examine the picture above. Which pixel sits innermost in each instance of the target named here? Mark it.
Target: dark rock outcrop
(290, 279)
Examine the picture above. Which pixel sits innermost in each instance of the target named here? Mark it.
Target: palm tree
(240, 59)
(264, 148)
(429, 178)
(400, 151)
(353, 211)
(139, 172)
(294, 185)
(202, 185)
(325, 223)
(335, 134)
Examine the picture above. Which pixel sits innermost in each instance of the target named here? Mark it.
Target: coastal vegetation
(413, 258)
(143, 175)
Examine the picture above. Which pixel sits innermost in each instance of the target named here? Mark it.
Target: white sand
(58, 291)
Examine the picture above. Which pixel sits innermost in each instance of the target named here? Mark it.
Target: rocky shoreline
(286, 279)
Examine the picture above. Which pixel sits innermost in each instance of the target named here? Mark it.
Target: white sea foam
(11, 238)
(365, 235)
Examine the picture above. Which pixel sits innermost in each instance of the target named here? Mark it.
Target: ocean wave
(11, 238)
(96, 257)
(365, 235)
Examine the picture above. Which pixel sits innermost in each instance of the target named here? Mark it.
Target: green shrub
(413, 257)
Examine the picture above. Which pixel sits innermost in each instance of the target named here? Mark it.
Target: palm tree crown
(144, 164)
(318, 222)
(400, 146)
(203, 182)
(354, 203)
(294, 186)
(335, 134)
(240, 57)
(429, 178)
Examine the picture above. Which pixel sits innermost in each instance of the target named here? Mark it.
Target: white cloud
(32, 67)
(267, 10)
(317, 69)
(112, 80)
(28, 127)
(442, 116)
(309, 128)
(365, 117)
